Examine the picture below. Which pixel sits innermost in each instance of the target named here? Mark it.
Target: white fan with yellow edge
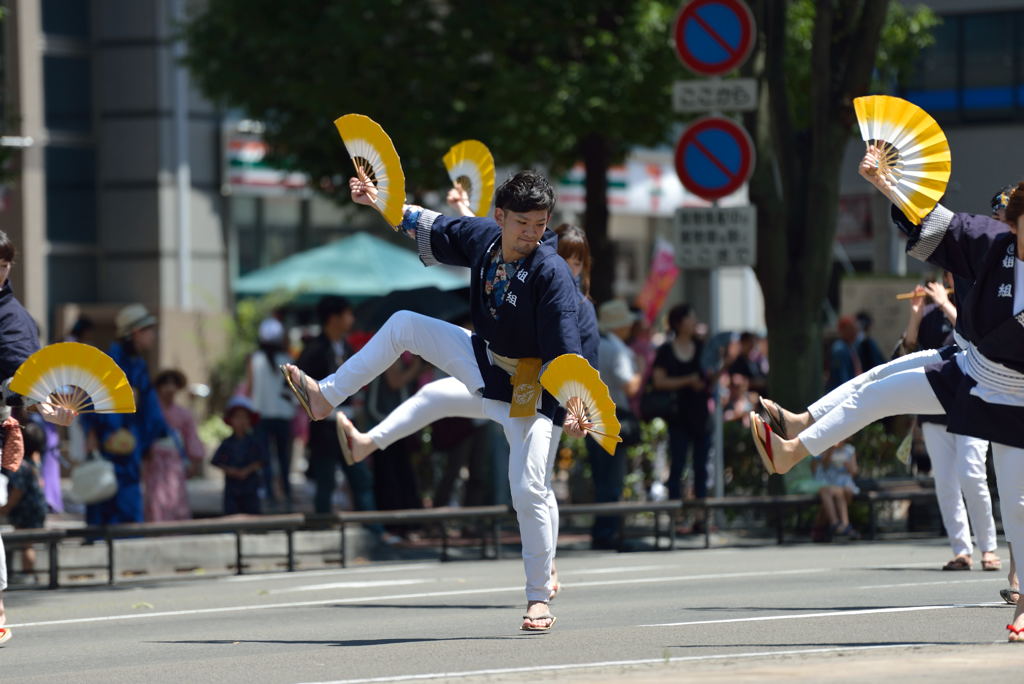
(915, 153)
(578, 387)
(471, 168)
(376, 160)
(74, 376)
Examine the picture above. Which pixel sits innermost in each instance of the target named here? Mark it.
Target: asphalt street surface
(815, 612)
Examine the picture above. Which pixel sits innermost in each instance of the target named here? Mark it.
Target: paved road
(811, 611)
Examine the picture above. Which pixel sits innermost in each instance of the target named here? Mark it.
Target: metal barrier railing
(491, 516)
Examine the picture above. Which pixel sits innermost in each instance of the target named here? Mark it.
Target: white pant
(958, 465)
(905, 391)
(442, 344)
(533, 442)
(1009, 466)
(3, 564)
(444, 398)
(841, 393)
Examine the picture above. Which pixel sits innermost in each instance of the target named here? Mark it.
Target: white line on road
(399, 597)
(834, 613)
(619, 663)
(929, 584)
(349, 585)
(321, 573)
(623, 568)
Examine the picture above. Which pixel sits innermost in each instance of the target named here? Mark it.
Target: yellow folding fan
(74, 376)
(376, 160)
(578, 387)
(915, 154)
(471, 167)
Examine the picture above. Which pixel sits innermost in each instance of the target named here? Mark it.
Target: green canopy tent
(358, 267)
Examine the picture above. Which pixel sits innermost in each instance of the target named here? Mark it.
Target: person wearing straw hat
(125, 439)
(618, 368)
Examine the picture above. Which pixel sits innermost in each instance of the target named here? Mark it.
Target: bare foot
(795, 422)
(534, 609)
(555, 586)
(319, 407)
(362, 445)
(990, 561)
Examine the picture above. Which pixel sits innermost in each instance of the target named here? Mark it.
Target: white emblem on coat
(1005, 290)
(1020, 317)
(522, 275)
(1008, 261)
(511, 299)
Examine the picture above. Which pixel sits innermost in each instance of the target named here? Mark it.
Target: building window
(66, 18)
(72, 278)
(67, 93)
(71, 194)
(971, 73)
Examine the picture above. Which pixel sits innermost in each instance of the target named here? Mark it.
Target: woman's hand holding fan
(57, 415)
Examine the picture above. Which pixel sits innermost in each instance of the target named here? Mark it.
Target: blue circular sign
(713, 37)
(714, 157)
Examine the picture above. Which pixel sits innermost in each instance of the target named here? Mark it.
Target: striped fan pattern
(471, 167)
(578, 387)
(376, 160)
(915, 153)
(74, 376)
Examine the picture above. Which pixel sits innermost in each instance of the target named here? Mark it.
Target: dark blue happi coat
(19, 336)
(983, 251)
(539, 315)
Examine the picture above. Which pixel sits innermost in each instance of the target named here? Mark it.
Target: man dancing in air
(524, 311)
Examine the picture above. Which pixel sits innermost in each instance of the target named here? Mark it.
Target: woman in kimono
(125, 439)
(980, 389)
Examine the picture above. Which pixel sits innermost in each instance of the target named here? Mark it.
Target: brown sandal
(991, 564)
(958, 563)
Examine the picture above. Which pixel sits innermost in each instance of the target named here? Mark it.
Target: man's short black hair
(331, 305)
(7, 251)
(525, 191)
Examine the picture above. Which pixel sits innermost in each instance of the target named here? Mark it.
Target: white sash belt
(997, 384)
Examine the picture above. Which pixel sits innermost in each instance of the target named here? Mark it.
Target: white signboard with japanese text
(714, 95)
(710, 237)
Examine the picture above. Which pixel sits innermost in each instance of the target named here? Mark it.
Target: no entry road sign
(713, 37)
(714, 157)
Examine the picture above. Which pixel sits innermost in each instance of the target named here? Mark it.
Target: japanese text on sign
(715, 236)
(734, 95)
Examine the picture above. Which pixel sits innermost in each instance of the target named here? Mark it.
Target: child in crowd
(835, 470)
(26, 504)
(241, 456)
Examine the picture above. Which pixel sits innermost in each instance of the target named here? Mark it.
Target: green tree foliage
(546, 85)
(812, 60)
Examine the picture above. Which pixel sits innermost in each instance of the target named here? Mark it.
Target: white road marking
(321, 573)
(929, 584)
(617, 663)
(624, 568)
(398, 597)
(349, 585)
(834, 613)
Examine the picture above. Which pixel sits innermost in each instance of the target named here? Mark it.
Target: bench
(18, 539)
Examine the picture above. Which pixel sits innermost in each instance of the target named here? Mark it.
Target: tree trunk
(596, 159)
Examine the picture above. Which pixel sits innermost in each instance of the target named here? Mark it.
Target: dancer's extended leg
(904, 392)
(801, 421)
(442, 344)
